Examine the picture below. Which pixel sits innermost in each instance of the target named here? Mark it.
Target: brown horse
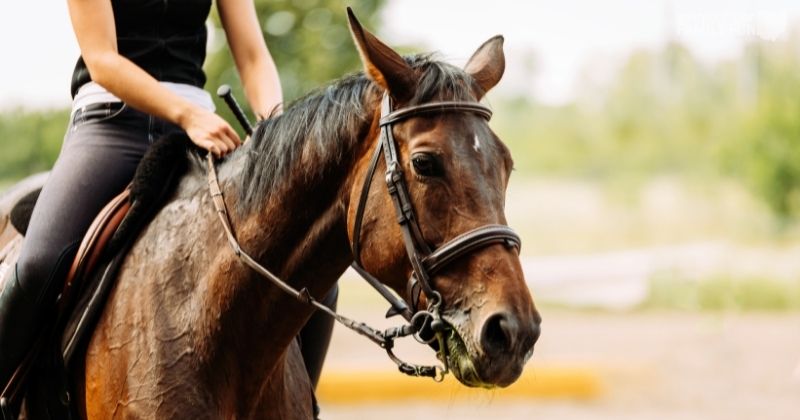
(191, 332)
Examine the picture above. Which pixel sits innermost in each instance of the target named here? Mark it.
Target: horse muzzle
(493, 353)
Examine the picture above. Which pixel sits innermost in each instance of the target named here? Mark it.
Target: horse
(189, 331)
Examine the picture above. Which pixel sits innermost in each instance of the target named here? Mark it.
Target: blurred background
(657, 192)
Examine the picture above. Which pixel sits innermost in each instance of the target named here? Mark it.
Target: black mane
(318, 129)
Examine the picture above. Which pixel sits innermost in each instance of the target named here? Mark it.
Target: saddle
(43, 377)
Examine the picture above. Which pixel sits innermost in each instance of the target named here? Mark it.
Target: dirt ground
(650, 365)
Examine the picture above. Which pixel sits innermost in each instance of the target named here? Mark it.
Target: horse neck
(300, 235)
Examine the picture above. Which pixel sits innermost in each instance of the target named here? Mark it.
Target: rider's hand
(209, 131)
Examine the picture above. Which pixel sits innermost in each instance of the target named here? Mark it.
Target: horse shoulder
(142, 357)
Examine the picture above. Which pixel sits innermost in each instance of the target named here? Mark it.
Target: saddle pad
(21, 213)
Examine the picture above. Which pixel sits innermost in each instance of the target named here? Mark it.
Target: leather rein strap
(385, 339)
(425, 325)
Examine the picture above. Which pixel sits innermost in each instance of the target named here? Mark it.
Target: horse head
(456, 171)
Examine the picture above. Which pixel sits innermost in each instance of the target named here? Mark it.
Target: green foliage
(308, 39)
(663, 113)
(666, 112)
(30, 141)
(770, 145)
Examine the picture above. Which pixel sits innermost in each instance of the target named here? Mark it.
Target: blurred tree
(30, 141)
(662, 112)
(769, 147)
(309, 40)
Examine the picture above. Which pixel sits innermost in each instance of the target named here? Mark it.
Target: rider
(139, 77)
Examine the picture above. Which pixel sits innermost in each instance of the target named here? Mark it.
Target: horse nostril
(499, 333)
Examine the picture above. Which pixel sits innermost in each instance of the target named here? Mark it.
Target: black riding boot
(18, 325)
(316, 336)
(314, 340)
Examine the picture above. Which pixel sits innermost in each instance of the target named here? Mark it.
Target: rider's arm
(256, 67)
(93, 23)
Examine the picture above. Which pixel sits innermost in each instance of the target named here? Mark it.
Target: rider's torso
(167, 38)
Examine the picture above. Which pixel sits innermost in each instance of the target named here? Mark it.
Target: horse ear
(487, 64)
(382, 64)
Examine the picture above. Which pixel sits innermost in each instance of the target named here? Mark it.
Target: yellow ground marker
(352, 387)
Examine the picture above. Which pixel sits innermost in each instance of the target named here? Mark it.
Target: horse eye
(426, 165)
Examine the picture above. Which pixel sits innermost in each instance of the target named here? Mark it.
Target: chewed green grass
(460, 362)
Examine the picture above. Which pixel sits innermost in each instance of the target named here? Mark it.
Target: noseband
(425, 325)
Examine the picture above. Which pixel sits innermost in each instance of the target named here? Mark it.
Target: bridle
(425, 262)
(427, 325)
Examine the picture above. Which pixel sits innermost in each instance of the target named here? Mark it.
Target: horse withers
(191, 332)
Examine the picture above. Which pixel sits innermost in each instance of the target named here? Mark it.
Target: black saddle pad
(21, 213)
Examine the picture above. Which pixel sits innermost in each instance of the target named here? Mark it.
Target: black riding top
(167, 38)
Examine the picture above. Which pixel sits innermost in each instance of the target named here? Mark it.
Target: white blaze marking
(477, 144)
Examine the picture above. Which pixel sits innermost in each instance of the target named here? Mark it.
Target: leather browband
(436, 108)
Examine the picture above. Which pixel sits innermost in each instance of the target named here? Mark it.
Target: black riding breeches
(102, 147)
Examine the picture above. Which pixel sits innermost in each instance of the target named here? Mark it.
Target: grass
(723, 294)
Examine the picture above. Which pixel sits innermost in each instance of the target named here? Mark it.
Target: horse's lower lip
(460, 362)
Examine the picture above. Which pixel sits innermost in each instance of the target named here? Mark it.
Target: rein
(426, 326)
(385, 339)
